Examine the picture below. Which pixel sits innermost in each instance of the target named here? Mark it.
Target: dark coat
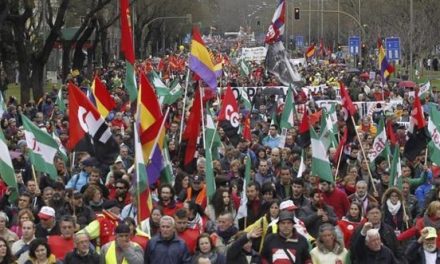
(235, 253)
(74, 258)
(415, 254)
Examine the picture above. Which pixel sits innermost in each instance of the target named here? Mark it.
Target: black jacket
(387, 236)
(74, 258)
(415, 254)
(235, 253)
(362, 254)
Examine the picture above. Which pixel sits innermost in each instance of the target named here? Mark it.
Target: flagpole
(363, 153)
(184, 105)
(202, 109)
(158, 134)
(339, 162)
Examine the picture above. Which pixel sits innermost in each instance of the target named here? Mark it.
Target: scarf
(434, 222)
(393, 209)
(195, 223)
(227, 234)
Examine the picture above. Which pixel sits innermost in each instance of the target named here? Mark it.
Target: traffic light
(296, 11)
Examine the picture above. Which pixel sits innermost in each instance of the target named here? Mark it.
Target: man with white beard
(425, 249)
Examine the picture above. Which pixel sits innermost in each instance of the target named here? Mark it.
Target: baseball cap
(432, 233)
(90, 162)
(46, 213)
(285, 215)
(288, 205)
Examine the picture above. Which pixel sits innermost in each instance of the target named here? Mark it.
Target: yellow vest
(110, 256)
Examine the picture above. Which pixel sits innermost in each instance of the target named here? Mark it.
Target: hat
(197, 178)
(90, 162)
(109, 204)
(285, 215)
(432, 233)
(122, 229)
(46, 213)
(288, 205)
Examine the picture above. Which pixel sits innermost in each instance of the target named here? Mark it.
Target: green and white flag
(425, 89)
(130, 81)
(302, 165)
(61, 149)
(242, 210)
(433, 128)
(379, 143)
(60, 101)
(209, 172)
(42, 148)
(166, 174)
(245, 69)
(244, 99)
(287, 117)
(174, 94)
(396, 170)
(212, 137)
(2, 105)
(159, 86)
(320, 162)
(7, 172)
(327, 134)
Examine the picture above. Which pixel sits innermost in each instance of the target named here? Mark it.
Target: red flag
(192, 129)
(340, 147)
(84, 119)
(346, 100)
(303, 131)
(247, 128)
(310, 51)
(126, 34)
(390, 133)
(417, 117)
(229, 110)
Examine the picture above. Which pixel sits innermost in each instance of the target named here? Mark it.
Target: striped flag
(59, 101)
(242, 210)
(143, 196)
(327, 134)
(7, 169)
(103, 100)
(396, 170)
(200, 61)
(386, 69)
(287, 117)
(42, 147)
(320, 162)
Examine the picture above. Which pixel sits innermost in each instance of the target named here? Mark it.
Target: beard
(430, 247)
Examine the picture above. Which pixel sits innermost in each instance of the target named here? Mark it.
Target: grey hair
(4, 216)
(371, 234)
(167, 218)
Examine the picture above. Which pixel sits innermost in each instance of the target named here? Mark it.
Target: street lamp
(145, 27)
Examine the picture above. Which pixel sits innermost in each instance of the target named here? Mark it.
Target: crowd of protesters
(89, 214)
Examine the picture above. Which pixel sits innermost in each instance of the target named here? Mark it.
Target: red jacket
(415, 230)
(338, 200)
(190, 237)
(60, 246)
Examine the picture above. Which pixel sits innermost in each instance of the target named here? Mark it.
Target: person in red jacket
(430, 218)
(62, 244)
(183, 232)
(167, 202)
(351, 221)
(335, 198)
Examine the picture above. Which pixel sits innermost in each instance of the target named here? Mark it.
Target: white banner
(254, 54)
